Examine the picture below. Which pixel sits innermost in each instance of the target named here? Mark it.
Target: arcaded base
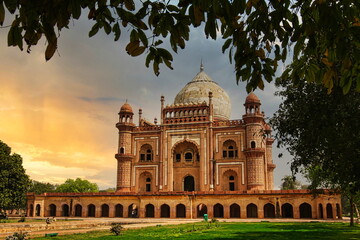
(229, 204)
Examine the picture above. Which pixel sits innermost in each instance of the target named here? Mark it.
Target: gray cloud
(98, 72)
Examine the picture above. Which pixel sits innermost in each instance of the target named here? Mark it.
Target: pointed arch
(234, 211)
(78, 210)
(218, 210)
(230, 179)
(65, 210)
(146, 153)
(149, 211)
(37, 210)
(119, 210)
(184, 141)
(104, 210)
(269, 210)
(165, 211)
(321, 211)
(31, 214)
(329, 211)
(251, 211)
(52, 210)
(180, 211)
(146, 182)
(230, 149)
(287, 211)
(189, 183)
(132, 211)
(201, 210)
(305, 210)
(91, 210)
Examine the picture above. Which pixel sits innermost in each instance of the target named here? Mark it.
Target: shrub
(116, 228)
(18, 236)
(214, 220)
(22, 219)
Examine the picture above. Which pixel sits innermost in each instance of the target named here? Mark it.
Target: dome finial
(201, 66)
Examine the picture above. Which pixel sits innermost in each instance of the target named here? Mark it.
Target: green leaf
(75, 8)
(158, 42)
(156, 68)
(226, 44)
(50, 50)
(10, 39)
(149, 58)
(117, 31)
(94, 30)
(198, 16)
(168, 63)
(140, 24)
(107, 28)
(172, 8)
(347, 86)
(134, 36)
(165, 54)
(143, 37)
(138, 51)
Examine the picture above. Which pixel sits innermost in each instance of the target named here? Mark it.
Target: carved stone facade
(195, 161)
(196, 147)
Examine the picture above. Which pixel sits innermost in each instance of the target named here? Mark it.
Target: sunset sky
(60, 115)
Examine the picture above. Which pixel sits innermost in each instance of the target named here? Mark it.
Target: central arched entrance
(189, 183)
(186, 161)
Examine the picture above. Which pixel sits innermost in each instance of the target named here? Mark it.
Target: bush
(18, 236)
(214, 220)
(116, 228)
(22, 219)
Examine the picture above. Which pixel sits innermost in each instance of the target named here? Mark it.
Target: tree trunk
(351, 210)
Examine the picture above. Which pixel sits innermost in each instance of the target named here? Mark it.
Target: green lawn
(248, 231)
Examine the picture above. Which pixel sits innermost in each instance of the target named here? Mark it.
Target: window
(122, 150)
(230, 149)
(178, 157)
(232, 183)
(148, 184)
(146, 153)
(188, 157)
(253, 144)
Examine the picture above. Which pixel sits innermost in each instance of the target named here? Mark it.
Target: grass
(228, 231)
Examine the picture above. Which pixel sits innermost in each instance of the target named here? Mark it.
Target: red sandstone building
(196, 161)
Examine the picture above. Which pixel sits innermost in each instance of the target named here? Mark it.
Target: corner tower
(124, 156)
(254, 147)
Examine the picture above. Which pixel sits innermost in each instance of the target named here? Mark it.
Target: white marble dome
(197, 90)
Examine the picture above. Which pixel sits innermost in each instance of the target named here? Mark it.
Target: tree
(290, 182)
(322, 133)
(321, 36)
(77, 186)
(13, 179)
(41, 187)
